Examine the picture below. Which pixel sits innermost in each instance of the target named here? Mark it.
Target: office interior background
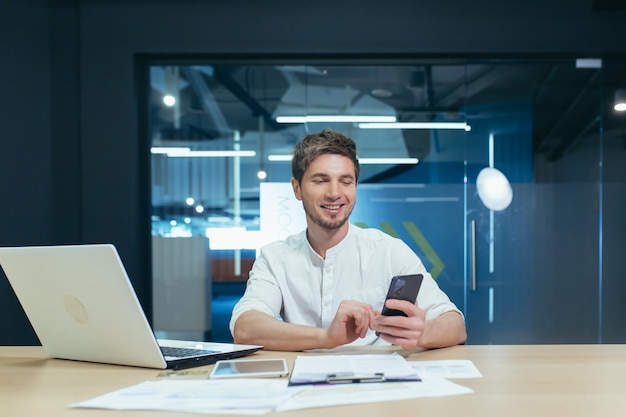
(86, 146)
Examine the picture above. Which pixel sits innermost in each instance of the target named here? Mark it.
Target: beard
(331, 223)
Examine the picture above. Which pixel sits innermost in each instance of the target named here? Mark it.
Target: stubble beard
(331, 224)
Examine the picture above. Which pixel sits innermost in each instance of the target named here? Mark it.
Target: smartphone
(402, 287)
(249, 368)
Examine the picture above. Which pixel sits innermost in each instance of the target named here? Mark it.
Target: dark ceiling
(569, 100)
(608, 5)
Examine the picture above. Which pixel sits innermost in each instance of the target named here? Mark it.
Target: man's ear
(296, 189)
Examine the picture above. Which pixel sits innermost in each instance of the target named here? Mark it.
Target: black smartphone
(402, 287)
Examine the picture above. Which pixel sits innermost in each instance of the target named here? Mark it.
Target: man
(324, 287)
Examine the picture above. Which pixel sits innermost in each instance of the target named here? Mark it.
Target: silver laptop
(82, 306)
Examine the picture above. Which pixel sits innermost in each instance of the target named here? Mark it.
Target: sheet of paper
(241, 396)
(459, 368)
(257, 396)
(330, 395)
(309, 369)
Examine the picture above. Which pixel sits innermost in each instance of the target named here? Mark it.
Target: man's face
(328, 190)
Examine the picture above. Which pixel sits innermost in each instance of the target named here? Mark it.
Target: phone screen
(403, 287)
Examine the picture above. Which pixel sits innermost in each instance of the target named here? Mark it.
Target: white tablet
(237, 368)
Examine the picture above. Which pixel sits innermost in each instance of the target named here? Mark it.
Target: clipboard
(351, 369)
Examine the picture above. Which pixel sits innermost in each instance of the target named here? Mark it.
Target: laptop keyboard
(178, 352)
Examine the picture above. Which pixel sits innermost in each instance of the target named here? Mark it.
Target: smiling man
(325, 286)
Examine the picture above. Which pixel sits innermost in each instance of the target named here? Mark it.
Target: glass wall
(505, 177)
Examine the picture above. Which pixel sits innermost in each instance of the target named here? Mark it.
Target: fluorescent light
(181, 152)
(363, 161)
(589, 63)
(397, 161)
(205, 154)
(168, 149)
(334, 118)
(279, 158)
(417, 125)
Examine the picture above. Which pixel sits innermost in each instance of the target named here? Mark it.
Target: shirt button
(326, 303)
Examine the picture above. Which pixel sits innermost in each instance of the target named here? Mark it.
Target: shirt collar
(332, 252)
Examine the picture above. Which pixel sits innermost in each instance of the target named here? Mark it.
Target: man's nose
(333, 189)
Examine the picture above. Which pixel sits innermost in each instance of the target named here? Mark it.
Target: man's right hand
(351, 321)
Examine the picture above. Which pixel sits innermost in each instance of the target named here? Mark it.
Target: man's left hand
(400, 330)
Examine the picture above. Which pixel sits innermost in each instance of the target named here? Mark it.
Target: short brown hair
(325, 142)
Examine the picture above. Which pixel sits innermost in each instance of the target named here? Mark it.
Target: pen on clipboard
(350, 378)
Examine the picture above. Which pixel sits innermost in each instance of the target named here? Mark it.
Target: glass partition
(491, 170)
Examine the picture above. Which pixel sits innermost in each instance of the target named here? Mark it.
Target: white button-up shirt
(290, 281)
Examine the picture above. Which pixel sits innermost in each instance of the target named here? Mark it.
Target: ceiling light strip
(335, 118)
(417, 125)
(186, 153)
(363, 161)
(279, 158)
(394, 161)
(168, 149)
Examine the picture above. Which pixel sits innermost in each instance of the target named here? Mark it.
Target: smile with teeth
(332, 207)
